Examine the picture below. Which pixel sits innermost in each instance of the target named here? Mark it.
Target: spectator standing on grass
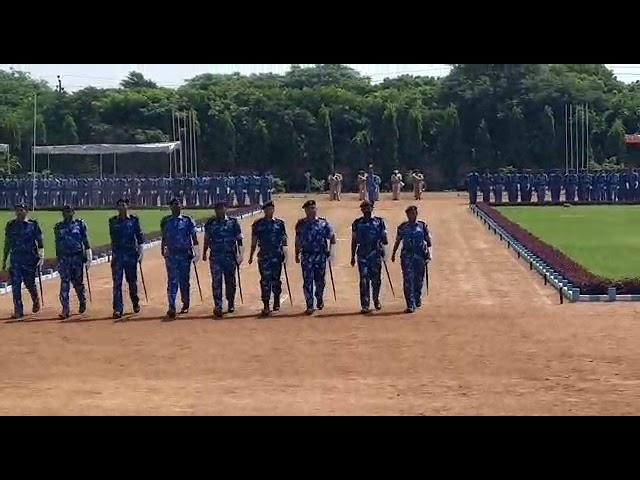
(24, 247)
(73, 253)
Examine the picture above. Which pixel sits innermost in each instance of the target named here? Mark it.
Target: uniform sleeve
(138, 232)
(237, 231)
(285, 238)
(85, 232)
(354, 226)
(427, 235)
(56, 238)
(329, 231)
(192, 227)
(38, 233)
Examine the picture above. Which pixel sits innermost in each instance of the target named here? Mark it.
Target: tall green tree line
(479, 116)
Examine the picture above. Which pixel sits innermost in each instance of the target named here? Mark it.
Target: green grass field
(97, 221)
(603, 239)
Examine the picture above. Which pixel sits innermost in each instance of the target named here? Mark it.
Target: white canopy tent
(108, 149)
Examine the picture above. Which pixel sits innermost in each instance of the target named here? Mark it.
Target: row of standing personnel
(204, 191)
(369, 185)
(315, 244)
(583, 186)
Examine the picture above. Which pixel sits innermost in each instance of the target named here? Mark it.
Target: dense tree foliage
(478, 116)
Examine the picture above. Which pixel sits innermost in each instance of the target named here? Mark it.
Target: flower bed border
(571, 279)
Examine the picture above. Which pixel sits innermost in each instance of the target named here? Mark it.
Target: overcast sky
(77, 76)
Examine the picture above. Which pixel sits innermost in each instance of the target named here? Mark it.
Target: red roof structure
(632, 139)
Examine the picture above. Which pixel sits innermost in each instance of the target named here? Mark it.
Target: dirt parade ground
(490, 339)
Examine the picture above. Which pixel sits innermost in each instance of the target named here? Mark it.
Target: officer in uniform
(396, 185)
(73, 252)
(498, 187)
(362, 185)
(312, 235)
(526, 189)
(541, 187)
(555, 185)
(331, 179)
(127, 251)
(179, 248)
(485, 186)
(368, 242)
(270, 235)
(570, 186)
(23, 243)
(473, 182)
(223, 236)
(614, 186)
(417, 252)
(240, 187)
(513, 184)
(418, 184)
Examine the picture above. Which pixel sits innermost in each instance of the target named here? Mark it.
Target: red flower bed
(587, 282)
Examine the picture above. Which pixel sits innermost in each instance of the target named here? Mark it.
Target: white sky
(77, 76)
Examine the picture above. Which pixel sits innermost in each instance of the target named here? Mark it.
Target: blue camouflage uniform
(541, 182)
(415, 239)
(369, 234)
(22, 240)
(570, 186)
(513, 183)
(126, 235)
(223, 236)
(311, 241)
(614, 186)
(498, 187)
(473, 182)
(485, 187)
(265, 189)
(240, 186)
(71, 242)
(177, 238)
(525, 187)
(272, 237)
(555, 186)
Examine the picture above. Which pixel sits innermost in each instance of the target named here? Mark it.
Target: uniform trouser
(362, 193)
(338, 191)
(413, 274)
(513, 195)
(473, 196)
(240, 198)
(526, 195)
(23, 270)
(314, 268)
(127, 265)
(570, 193)
(255, 198)
(542, 194)
(178, 277)
(417, 192)
(265, 196)
(270, 268)
(613, 194)
(486, 195)
(203, 198)
(370, 270)
(497, 193)
(223, 267)
(396, 191)
(555, 195)
(71, 270)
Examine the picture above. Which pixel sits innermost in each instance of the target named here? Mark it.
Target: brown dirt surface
(490, 339)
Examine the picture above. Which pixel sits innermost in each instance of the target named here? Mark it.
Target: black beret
(67, 208)
(21, 205)
(366, 203)
(220, 205)
(124, 201)
(411, 208)
(268, 204)
(174, 201)
(309, 203)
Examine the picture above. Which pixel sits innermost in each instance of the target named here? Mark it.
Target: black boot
(276, 304)
(36, 305)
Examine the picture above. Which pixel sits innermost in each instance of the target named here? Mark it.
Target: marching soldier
(73, 252)
(127, 242)
(270, 235)
(417, 252)
(369, 241)
(23, 244)
(312, 235)
(223, 236)
(179, 248)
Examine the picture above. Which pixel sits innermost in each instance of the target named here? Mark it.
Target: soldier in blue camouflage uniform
(417, 252)
(270, 235)
(240, 185)
(312, 235)
(570, 186)
(555, 186)
(498, 187)
(223, 236)
(127, 251)
(540, 182)
(72, 251)
(368, 241)
(179, 249)
(23, 243)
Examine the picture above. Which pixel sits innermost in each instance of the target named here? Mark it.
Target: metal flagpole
(571, 134)
(566, 138)
(588, 139)
(33, 162)
(582, 137)
(195, 142)
(173, 131)
(577, 140)
(182, 154)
